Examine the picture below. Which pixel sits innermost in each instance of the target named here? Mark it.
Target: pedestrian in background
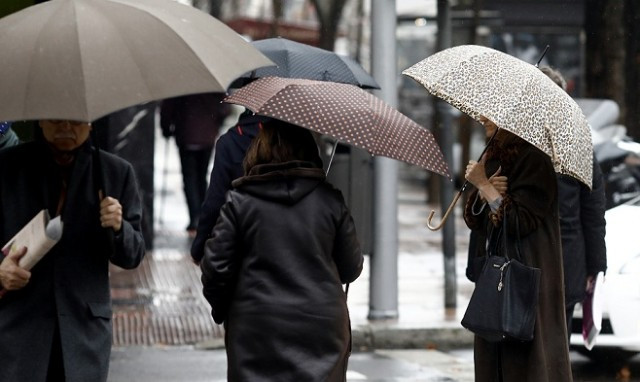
(55, 320)
(8, 137)
(582, 227)
(230, 151)
(194, 120)
(529, 202)
(273, 269)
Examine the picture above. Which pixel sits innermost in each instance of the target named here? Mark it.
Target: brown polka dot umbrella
(344, 112)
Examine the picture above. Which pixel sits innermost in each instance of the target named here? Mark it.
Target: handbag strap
(500, 235)
(518, 248)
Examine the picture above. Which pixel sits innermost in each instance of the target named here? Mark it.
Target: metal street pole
(444, 117)
(383, 285)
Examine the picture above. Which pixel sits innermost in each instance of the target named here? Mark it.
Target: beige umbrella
(83, 59)
(345, 112)
(517, 97)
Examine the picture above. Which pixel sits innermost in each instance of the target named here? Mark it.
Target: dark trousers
(195, 164)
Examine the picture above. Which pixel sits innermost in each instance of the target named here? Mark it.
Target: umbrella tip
(542, 56)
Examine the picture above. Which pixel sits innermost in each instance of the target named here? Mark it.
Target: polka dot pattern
(344, 112)
(517, 96)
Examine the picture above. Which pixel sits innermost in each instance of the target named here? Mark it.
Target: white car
(620, 331)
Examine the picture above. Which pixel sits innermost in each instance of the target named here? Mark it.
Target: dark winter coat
(227, 166)
(70, 285)
(194, 119)
(273, 272)
(532, 196)
(582, 225)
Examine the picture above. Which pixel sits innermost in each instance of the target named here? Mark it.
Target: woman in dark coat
(530, 196)
(273, 270)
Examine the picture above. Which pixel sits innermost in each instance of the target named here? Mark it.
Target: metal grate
(161, 302)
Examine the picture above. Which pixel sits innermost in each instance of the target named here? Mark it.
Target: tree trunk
(632, 23)
(215, 8)
(329, 13)
(278, 12)
(606, 51)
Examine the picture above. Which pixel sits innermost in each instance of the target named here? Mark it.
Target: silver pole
(446, 141)
(383, 285)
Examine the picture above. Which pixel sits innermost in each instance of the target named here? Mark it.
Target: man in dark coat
(227, 166)
(194, 120)
(582, 227)
(55, 321)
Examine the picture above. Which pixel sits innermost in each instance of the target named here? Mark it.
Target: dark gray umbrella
(297, 60)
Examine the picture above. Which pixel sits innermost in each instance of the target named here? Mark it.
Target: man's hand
(13, 277)
(111, 213)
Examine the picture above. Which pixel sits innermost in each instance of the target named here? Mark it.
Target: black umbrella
(297, 60)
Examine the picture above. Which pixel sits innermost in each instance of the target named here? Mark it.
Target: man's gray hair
(555, 76)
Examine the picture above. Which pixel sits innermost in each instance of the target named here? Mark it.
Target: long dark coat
(273, 272)
(69, 287)
(532, 195)
(582, 226)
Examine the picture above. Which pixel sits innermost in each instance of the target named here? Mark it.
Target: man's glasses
(59, 122)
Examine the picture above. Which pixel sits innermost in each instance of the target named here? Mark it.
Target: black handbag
(504, 302)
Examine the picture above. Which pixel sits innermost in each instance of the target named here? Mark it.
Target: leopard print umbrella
(517, 97)
(344, 112)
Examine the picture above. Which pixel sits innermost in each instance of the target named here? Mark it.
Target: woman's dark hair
(279, 142)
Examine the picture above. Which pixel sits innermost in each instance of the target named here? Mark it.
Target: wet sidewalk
(160, 302)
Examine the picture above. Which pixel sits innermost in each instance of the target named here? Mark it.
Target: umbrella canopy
(297, 60)
(83, 59)
(517, 97)
(346, 113)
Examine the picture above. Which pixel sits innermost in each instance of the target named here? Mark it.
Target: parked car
(619, 337)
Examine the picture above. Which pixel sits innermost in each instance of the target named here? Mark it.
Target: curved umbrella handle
(446, 214)
(455, 198)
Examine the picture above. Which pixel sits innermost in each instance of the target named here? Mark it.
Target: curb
(376, 336)
(368, 337)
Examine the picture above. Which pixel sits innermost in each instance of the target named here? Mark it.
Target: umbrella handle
(333, 153)
(455, 198)
(446, 214)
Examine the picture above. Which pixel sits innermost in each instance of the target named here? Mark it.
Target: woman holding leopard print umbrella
(516, 181)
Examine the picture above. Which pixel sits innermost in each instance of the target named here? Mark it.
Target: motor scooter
(617, 154)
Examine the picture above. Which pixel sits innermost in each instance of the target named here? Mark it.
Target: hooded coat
(69, 288)
(532, 198)
(273, 272)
